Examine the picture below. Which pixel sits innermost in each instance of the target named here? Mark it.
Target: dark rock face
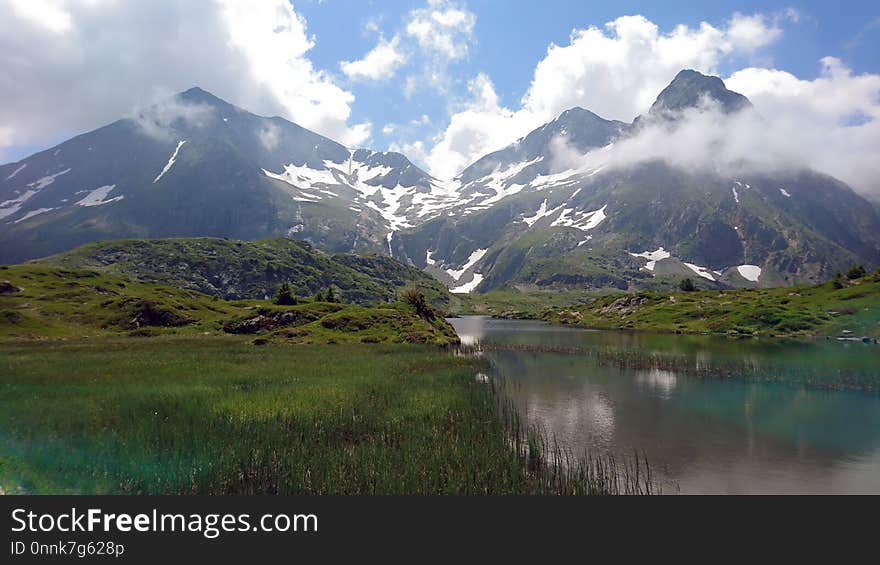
(623, 306)
(265, 322)
(149, 314)
(7, 287)
(688, 90)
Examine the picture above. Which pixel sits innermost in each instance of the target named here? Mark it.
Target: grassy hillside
(41, 301)
(853, 310)
(251, 269)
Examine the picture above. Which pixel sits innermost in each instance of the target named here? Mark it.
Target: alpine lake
(711, 414)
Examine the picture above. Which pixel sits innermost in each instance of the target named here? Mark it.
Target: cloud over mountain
(831, 122)
(65, 64)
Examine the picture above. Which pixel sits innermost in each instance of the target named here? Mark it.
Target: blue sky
(442, 95)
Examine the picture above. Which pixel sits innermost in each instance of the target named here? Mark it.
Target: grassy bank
(507, 302)
(215, 415)
(823, 310)
(39, 302)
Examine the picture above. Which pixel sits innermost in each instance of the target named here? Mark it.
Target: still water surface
(701, 435)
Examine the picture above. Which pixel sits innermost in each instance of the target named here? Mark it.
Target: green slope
(47, 302)
(852, 311)
(251, 269)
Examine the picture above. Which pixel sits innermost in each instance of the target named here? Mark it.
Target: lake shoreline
(841, 310)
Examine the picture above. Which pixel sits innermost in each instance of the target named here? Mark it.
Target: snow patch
(33, 213)
(13, 205)
(16, 171)
(785, 193)
(468, 287)
(499, 181)
(583, 221)
(43, 182)
(396, 204)
(541, 213)
(429, 258)
(653, 257)
(96, 197)
(472, 260)
(702, 271)
(735, 194)
(170, 161)
(749, 272)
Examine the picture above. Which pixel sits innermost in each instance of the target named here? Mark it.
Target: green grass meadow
(218, 415)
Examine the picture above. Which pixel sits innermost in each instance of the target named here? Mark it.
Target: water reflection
(658, 379)
(733, 435)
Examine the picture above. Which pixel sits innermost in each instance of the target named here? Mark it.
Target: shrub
(416, 298)
(837, 281)
(284, 295)
(856, 272)
(687, 285)
(326, 295)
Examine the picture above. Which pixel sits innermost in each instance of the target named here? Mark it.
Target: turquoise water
(767, 430)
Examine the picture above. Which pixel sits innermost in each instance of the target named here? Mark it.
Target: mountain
(251, 269)
(540, 213)
(198, 166)
(689, 88)
(550, 210)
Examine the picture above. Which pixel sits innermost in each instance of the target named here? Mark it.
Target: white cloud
(48, 14)
(616, 72)
(831, 124)
(373, 25)
(72, 65)
(442, 28)
(158, 120)
(409, 86)
(481, 124)
(749, 33)
(379, 64)
(423, 120)
(414, 151)
(441, 33)
(270, 136)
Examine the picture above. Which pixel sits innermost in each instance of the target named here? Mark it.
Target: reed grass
(220, 416)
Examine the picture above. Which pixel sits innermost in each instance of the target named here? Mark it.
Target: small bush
(687, 285)
(416, 298)
(284, 295)
(837, 281)
(856, 272)
(326, 295)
